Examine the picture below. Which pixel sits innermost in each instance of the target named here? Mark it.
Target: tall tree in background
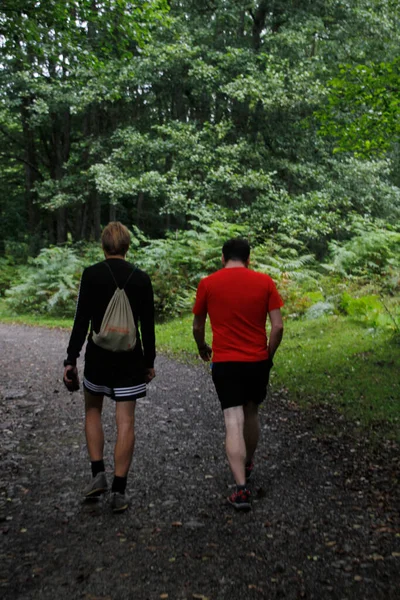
(54, 58)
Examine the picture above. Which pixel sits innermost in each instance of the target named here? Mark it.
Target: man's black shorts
(113, 374)
(238, 383)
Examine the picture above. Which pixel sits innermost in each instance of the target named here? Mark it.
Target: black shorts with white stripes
(119, 375)
(118, 386)
(118, 392)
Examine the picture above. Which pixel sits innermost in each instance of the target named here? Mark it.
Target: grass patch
(339, 362)
(35, 320)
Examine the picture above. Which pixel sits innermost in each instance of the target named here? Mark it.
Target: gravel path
(325, 522)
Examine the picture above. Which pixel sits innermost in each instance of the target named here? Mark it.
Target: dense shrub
(51, 284)
(374, 252)
(371, 311)
(368, 263)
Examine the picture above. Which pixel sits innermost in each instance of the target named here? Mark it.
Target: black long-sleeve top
(96, 290)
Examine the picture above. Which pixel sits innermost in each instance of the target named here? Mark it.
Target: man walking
(121, 375)
(238, 302)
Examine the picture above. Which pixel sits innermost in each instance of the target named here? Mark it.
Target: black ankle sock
(119, 484)
(239, 488)
(97, 467)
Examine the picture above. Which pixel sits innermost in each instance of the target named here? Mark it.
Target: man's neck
(233, 264)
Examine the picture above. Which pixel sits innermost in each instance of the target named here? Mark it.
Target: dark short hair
(236, 249)
(115, 239)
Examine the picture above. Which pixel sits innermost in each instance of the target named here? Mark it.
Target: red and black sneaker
(241, 499)
(249, 469)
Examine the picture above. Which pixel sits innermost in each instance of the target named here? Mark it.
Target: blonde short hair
(115, 239)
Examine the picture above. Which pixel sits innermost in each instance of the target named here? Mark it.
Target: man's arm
(276, 334)
(81, 321)
(199, 324)
(78, 335)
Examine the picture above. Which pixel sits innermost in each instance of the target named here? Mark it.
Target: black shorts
(114, 374)
(238, 383)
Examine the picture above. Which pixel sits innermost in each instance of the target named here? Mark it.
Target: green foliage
(374, 252)
(368, 309)
(363, 106)
(50, 286)
(372, 311)
(179, 167)
(8, 275)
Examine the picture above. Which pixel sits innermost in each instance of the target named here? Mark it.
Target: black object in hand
(73, 384)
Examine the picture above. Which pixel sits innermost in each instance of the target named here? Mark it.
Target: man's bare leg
(234, 442)
(251, 430)
(93, 426)
(123, 452)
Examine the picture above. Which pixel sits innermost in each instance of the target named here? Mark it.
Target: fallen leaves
(375, 556)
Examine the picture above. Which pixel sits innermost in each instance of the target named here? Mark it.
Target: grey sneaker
(96, 487)
(119, 502)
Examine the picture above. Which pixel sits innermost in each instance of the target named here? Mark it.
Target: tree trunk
(112, 214)
(96, 214)
(139, 208)
(259, 18)
(61, 225)
(60, 146)
(30, 166)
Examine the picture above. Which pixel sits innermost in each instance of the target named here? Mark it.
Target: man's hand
(205, 352)
(71, 378)
(276, 334)
(149, 375)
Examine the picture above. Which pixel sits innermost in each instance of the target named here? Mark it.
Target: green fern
(51, 284)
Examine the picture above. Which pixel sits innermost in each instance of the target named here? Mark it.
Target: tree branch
(26, 162)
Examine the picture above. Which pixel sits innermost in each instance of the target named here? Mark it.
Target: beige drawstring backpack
(118, 330)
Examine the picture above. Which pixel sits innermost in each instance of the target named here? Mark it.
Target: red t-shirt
(237, 301)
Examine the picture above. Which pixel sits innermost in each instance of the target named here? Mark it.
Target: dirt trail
(325, 522)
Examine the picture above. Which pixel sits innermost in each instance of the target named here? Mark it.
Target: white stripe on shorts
(133, 391)
(98, 389)
(136, 390)
(132, 388)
